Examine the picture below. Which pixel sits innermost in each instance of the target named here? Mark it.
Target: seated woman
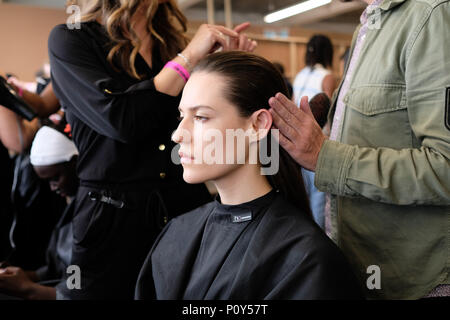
(257, 240)
(54, 158)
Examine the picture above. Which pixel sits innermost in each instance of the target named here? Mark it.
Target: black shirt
(263, 249)
(59, 250)
(121, 126)
(6, 171)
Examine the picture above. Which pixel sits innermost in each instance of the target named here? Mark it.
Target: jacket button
(162, 147)
(162, 175)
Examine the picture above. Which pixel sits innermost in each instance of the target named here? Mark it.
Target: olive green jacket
(389, 172)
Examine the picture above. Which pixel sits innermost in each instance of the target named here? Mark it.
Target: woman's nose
(181, 134)
(176, 136)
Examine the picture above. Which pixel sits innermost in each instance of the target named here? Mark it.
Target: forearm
(40, 292)
(44, 104)
(10, 124)
(168, 81)
(402, 177)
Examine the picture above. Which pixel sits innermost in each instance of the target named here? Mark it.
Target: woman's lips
(185, 159)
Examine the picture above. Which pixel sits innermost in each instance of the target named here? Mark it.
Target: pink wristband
(20, 93)
(179, 69)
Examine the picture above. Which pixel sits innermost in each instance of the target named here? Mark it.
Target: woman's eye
(200, 118)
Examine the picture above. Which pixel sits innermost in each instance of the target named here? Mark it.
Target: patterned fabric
(340, 106)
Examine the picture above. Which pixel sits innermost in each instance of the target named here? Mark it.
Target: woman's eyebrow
(195, 108)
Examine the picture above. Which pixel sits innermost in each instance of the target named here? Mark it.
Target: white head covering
(51, 147)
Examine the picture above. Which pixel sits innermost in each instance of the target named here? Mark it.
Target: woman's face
(61, 177)
(207, 119)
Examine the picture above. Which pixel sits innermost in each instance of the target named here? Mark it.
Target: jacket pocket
(377, 116)
(372, 100)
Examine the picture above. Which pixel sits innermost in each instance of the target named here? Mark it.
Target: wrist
(178, 68)
(192, 60)
(186, 60)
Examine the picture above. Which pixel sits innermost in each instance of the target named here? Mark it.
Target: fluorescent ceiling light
(295, 9)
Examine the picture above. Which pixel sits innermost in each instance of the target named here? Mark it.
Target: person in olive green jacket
(386, 164)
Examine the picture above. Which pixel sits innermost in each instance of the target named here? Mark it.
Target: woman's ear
(261, 123)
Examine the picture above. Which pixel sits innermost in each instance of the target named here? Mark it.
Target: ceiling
(336, 17)
(251, 6)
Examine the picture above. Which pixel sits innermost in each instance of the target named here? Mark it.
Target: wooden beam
(293, 55)
(228, 14)
(210, 11)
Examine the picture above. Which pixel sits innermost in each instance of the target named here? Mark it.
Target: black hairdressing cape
(263, 249)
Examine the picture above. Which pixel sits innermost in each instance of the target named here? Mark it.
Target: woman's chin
(191, 178)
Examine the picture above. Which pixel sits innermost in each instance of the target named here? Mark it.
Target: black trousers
(111, 242)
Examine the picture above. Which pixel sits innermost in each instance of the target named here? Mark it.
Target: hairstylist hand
(300, 134)
(243, 43)
(206, 39)
(15, 281)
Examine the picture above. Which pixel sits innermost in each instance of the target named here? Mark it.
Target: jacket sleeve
(83, 84)
(415, 176)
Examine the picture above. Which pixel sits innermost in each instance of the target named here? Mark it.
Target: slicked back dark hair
(250, 82)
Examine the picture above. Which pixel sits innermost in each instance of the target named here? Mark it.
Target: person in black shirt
(53, 157)
(257, 240)
(121, 104)
(6, 175)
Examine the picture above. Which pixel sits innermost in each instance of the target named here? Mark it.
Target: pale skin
(202, 110)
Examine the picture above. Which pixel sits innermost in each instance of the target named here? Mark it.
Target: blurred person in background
(53, 156)
(317, 76)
